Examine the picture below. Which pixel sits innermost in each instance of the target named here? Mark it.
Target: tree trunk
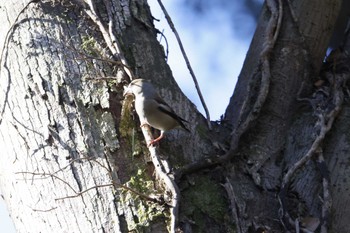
(283, 117)
(74, 158)
(66, 148)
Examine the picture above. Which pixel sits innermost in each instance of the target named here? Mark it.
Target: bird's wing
(164, 107)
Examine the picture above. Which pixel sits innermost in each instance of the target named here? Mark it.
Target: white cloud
(216, 55)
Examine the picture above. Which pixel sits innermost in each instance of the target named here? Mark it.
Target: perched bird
(151, 108)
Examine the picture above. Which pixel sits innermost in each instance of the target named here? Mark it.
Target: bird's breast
(148, 111)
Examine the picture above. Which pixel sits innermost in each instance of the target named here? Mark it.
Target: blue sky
(216, 41)
(216, 44)
(6, 224)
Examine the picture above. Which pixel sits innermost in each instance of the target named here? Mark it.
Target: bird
(152, 109)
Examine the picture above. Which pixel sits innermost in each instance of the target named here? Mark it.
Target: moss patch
(204, 202)
(128, 131)
(89, 45)
(143, 213)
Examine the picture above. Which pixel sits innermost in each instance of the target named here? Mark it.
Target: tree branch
(77, 194)
(171, 24)
(166, 42)
(168, 182)
(109, 37)
(272, 32)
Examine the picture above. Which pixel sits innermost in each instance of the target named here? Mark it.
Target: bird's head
(139, 87)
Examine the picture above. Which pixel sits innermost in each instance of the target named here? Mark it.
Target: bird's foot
(144, 124)
(155, 141)
(152, 142)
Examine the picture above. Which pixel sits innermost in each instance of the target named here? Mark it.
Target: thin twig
(2, 55)
(85, 56)
(76, 193)
(12, 26)
(166, 43)
(48, 175)
(47, 210)
(112, 36)
(171, 24)
(112, 43)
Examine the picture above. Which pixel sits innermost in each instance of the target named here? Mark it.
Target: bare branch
(171, 24)
(84, 191)
(48, 210)
(48, 175)
(109, 38)
(166, 42)
(168, 182)
(77, 194)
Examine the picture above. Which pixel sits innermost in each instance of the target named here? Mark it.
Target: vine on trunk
(326, 103)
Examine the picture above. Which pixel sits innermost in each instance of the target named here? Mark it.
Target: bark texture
(288, 125)
(55, 135)
(74, 159)
(65, 146)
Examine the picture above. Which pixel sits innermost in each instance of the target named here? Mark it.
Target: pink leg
(143, 124)
(156, 140)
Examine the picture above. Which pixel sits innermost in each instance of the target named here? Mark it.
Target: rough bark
(55, 135)
(66, 148)
(74, 159)
(291, 125)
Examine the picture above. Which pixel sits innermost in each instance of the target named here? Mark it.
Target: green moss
(112, 83)
(204, 199)
(126, 122)
(145, 212)
(202, 131)
(89, 45)
(141, 182)
(128, 131)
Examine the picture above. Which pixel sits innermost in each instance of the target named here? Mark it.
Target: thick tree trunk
(282, 142)
(74, 160)
(65, 147)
